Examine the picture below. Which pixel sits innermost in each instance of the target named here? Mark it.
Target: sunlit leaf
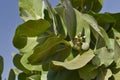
(78, 62)
(31, 9)
(103, 56)
(92, 22)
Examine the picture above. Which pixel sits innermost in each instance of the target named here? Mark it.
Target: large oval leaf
(78, 62)
(32, 28)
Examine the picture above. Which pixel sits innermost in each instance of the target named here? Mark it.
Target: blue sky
(9, 20)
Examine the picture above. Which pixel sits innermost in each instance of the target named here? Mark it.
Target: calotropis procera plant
(71, 41)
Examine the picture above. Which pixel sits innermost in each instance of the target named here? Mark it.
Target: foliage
(72, 41)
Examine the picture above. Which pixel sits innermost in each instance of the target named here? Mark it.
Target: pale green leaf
(78, 62)
(31, 9)
(108, 74)
(92, 22)
(103, 56)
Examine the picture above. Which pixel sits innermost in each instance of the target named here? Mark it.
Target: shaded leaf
(63, 75)
(61, 53)
(17, 63)
(31, 10)
(12, 75)
(78, 62)
(88, 72)
(1, 65)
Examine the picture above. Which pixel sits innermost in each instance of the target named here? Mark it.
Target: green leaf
(32, 28)
(12, 75)
(22, 76)
(88, 72)
(63, 75)
(104, 74)
(34, 77)
(92, 22)
(103, 56)
(53, 16)
(70, 18)
(24, 61)
(78, 62)
(117, 23)
(31, 9)
(42, 52)
(106, 39)
(87, 5)
(117, 75)
(17, 63)
(1, 65)
(60, 54)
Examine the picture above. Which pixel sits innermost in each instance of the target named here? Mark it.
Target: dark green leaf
(17, 63)
(78, 62)
(60, 54)
(1, 65)
(44, 51)
(12, 75)
(22, 76)
(88, 72)
(63, 75)
(32, 28)
(31, 9)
